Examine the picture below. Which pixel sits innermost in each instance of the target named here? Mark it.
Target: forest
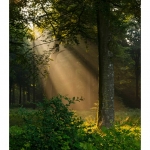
(75, 74)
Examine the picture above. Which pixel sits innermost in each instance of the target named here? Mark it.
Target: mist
(72, 72)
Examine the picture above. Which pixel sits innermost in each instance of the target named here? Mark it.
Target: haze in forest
(73, 72)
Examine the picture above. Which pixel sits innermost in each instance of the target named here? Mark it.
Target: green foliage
(50, 123)
(15, 118)
(118, 138)
(130, 117)
(16, 136)
(54, 126)
(125, 134)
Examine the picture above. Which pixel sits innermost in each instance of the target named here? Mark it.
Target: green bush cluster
(54, 127)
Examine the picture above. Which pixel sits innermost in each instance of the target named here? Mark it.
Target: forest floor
(129, 118)
(126, 131)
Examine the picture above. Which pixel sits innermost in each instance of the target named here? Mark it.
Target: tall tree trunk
(28, 93)
(34, 70)
(106, 72)
(137, 84)
(34, 65)
(10, 95)
(23, 95)
(20, 94)
(33, 91)
(137, 73)
(88, 98)
(13, 94)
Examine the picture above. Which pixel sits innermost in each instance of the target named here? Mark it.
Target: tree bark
(137, 72)
(28, 93)
(88, 98)
(10, 95)
(33, 90)
(13, 94)
(106, 72)
(19, 94)
(23, 95)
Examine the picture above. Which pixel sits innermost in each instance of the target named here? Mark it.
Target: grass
(129, 119)
(129, 116)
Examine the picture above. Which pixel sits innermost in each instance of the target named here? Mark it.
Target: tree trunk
(33, 76)
(106, 72)
(23, 95)
(137, 73)
(137, 84)
(10, 95)
(19, 94)
(88, 98)
(13, 95)
(28, 93)
(33, 91)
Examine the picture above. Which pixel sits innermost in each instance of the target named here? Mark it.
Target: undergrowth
(53, 126)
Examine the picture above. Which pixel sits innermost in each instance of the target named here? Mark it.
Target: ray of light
(70, 75)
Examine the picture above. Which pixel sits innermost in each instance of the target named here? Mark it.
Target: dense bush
(54, 127)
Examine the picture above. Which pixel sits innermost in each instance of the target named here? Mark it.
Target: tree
(134, 41)
(25, 63)
(106, 74)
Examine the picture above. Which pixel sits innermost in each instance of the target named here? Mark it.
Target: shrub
(16, 138)
(52, 126)
(15, 119)
(117, 138)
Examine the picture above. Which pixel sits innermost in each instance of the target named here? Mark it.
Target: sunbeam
(72, 72)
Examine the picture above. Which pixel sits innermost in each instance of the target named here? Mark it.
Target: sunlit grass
(121, 117)
(124, 120)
